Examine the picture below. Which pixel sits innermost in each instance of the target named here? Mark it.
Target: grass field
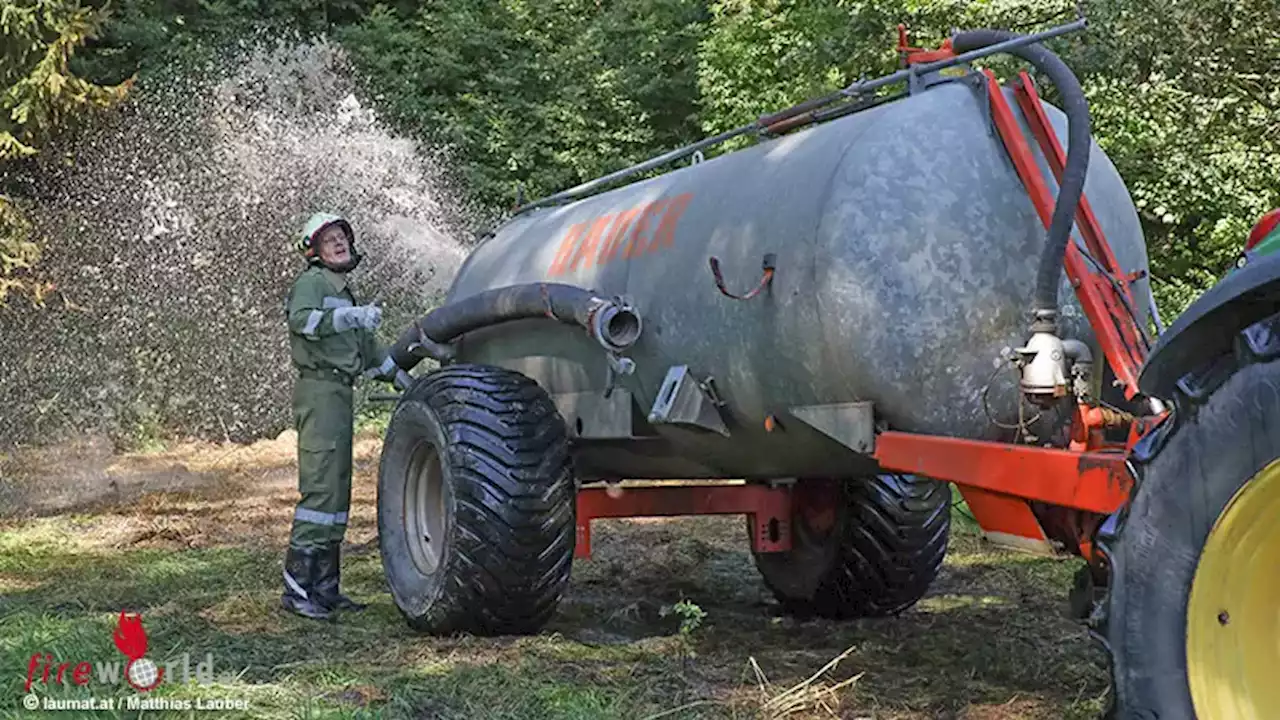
(667, 620)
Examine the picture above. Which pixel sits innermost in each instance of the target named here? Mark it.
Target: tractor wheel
(476, 503)
(1190, 616)
(860, 548)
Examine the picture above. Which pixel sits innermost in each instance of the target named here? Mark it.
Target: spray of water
(170, 239)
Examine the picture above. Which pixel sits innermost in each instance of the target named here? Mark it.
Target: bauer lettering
(619, 236)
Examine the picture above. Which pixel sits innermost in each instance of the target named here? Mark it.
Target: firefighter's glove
(368, 317)
(403, 380)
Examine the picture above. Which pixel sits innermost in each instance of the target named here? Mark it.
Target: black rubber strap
(769, 265)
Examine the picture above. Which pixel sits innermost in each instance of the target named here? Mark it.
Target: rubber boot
(301, 597)
(329, 579)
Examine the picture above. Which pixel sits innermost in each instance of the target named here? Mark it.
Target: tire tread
(894, 541)
(514, 525)
(1227, 404)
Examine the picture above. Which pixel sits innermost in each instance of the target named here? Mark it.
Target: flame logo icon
(131, 639)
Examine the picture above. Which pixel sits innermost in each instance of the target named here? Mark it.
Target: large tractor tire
(860, 548)
(1190, 616)
(476, 503)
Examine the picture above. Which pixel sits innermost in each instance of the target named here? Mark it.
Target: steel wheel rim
(424, 513)
(1233, 616)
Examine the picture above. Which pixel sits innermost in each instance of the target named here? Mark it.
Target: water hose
(1071, 188)
(612, 322)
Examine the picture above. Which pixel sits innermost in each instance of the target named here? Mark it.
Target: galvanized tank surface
(906, 252)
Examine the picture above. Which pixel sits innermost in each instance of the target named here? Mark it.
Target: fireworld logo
(142, 673)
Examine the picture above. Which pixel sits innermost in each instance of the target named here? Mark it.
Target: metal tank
(903, 249)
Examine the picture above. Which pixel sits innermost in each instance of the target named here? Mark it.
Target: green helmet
(318, 222)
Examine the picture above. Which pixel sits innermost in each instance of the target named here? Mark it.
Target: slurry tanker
(925, 279)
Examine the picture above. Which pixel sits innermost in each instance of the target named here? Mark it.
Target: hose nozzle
(1044, 377)
(615, 324)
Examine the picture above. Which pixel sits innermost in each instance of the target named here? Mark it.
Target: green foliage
(152, 36)
(691, 616)
(759, 57)
(1186, 102)
(539, 95)
(542, 95)
(39, 97)
(143, 429)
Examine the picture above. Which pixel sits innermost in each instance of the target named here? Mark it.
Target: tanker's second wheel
(476, 503)
(1191, 615)
(860, 548)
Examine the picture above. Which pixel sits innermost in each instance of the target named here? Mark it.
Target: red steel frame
(768, 509)
(1088, 480)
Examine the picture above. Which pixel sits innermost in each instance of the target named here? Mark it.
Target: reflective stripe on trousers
(316, 517)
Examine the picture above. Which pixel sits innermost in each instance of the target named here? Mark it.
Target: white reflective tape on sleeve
(313, 322)
(316, 517)
(336, 302)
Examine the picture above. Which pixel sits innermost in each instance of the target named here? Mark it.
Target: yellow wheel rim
(1233, 613)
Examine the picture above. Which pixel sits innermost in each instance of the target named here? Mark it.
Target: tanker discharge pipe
(1079, 138)
(612, 322)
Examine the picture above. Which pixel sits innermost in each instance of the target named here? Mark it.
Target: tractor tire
(868, 548)
(476, 502)
(1189, 615)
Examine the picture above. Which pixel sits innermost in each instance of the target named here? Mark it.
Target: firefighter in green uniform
(332, 343)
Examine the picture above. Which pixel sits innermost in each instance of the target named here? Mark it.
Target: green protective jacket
(313, 342)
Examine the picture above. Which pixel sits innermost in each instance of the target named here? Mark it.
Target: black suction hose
(612, 322)
(1079, 139)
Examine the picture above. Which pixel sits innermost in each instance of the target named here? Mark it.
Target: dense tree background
(538, 96)
(534, 96)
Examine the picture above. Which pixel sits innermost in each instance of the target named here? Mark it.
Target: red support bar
(1029, 101)
(915, 55)
(1093, 481)
(1006, 520)
(1019, 151)
(768, 509)
(1097, 299)
(1117, 333)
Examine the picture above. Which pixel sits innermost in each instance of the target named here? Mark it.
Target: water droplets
(174, 231)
